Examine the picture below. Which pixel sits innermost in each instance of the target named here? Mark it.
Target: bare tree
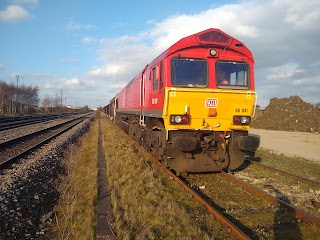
(3, 97)
(11, 94)
(47, 103)
(28, 97)
(17, 100)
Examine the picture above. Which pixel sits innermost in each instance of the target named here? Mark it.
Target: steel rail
(22, 123)
(286, 173)
(10, 141)
(303, 216)
(13, 158)
(4, 120)
(230, 227)
(9, 123)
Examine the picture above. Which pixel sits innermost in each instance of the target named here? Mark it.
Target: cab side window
(154, 79)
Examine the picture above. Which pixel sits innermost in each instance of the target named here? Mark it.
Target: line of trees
(50, 104)
(20, 99)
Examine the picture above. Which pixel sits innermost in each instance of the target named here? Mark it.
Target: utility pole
(17, 92)
(61, 97)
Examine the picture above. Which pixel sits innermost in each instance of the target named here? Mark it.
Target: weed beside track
(147, 203)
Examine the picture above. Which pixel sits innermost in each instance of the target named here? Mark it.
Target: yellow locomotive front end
(207, 118)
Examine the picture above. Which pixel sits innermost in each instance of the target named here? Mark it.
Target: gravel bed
(25, 130)
(28, 190)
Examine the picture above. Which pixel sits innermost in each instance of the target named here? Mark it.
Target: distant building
(69, 106)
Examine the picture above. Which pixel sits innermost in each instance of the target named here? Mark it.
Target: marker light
(237, 120)
(185, 119)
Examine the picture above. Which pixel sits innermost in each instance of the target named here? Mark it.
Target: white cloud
(303, 16)
(72, 82)
(73, 26)
(14, 13)
(2, 67)
(229, 18)
(107, 70)
(88, 40)
(49, 85)
(25, 2)
(38, 76)
(284, 71)
(122, 58)
(69, 60)
(282, 35)
(15, 75)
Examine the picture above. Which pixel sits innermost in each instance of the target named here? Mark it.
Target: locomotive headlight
(213, 52)
(244, 120)
(178, 119)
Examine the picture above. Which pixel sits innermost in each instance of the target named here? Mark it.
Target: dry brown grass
(147, 204)
(296, 165)
(75, 213)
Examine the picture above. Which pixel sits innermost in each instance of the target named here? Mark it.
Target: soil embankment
(289, 126)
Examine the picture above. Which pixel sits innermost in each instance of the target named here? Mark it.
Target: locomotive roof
(212, 37)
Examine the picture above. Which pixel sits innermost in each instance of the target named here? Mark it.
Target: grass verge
(147, 203)
(75, 216)
(296, 165)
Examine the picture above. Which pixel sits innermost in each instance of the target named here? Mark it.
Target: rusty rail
(287, 173)
(230, 227)
(303, 216)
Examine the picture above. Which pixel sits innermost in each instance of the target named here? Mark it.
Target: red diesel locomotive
(191, 107)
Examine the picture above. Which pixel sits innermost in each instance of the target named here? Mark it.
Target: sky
(87, 50)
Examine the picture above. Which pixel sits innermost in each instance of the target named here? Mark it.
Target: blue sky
(90, 49)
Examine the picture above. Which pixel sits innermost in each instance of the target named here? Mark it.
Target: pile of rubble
(288, 114)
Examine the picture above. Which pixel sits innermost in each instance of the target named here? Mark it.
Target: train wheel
(237, 158)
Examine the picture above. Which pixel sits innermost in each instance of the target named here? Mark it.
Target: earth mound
(288, 114)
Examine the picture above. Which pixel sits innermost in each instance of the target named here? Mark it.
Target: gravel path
(302, 144)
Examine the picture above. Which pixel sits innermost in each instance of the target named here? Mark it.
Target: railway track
(14, 122)
(14, 149)
(287, 173)
(257, 214)
(267, 217)
(301, 215)
(227, 224)
(248, 212)
(30, 175)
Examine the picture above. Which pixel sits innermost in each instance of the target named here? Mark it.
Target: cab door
(155, 99)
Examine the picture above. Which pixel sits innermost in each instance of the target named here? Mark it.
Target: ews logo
(211, 103)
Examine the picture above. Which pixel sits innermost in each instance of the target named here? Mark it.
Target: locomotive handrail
(255, 105)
